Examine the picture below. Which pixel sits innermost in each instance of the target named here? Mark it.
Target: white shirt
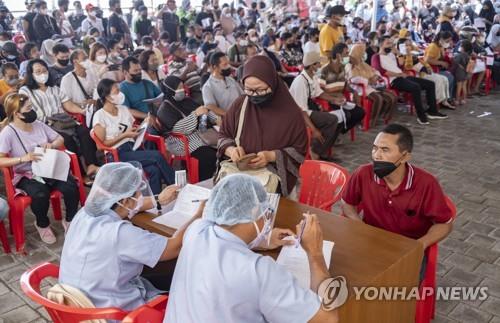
(219, 279)
(389, 63)
(70, 87)
(303, 88)
(311, 47)
(45, 103)
(103, 256)
(114, 125)
(161, 77)
(88, 24)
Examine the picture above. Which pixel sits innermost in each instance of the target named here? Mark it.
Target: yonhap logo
(334, 292)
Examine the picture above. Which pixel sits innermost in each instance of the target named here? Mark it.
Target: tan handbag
(268, 179)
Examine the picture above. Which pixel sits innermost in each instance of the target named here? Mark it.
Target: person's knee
(41, 195)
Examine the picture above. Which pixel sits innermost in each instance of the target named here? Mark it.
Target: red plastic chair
(366, 104)
(19, 203)
(3, 238)
(426, 306)
(192, 163)
(322, 183)
(407, 96)
(157, 140)
(153, 312)
(30, 284)
(80, 118)
(325, 106)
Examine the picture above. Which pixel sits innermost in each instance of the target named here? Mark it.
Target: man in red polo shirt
(395, 195)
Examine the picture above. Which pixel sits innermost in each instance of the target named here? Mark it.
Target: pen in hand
(302, 227)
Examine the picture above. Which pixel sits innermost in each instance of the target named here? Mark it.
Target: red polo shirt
(410, 210)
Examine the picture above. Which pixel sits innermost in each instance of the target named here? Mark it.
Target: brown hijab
(277, 125)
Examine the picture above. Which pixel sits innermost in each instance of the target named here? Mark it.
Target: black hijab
(171, 111)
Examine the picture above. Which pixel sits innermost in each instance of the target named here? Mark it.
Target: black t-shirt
(76, 21)
(4, 24)
(143, 27)
(428, 17)
(57, 73)
(116, 22)
(29, 17)
(170, 23)
(369, 53)
(205, 20)
(45, 27)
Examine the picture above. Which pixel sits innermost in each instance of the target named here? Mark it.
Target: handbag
(60, 122)
(268, 179)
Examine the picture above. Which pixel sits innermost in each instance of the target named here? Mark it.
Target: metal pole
(374, 15)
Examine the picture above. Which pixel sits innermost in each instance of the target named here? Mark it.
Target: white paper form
(140, 138)
(54, 164)
(157, 99)
(294, 259)
(184, 208)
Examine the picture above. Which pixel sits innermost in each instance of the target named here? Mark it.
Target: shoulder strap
(19, 138)
(176, 108)
(308, 87)
(240, 121)
(85, 94)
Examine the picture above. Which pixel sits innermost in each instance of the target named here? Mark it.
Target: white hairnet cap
(114, 182)
(236, 199)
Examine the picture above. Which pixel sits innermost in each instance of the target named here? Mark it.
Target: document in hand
(140, 138)
(185, 207)
(155, 100)
(294, 259)
(54, 164)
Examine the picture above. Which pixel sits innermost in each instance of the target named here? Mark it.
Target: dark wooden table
(366, 256)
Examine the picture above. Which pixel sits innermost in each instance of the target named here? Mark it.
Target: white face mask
(138, 205)
(41, 78)
(92, 14)
(179, 95)
(342, 21)
(365, 57)
(101, 58)
(85, 64)
(262, 238)
(243, 42)
(43, 11)
(117, 99)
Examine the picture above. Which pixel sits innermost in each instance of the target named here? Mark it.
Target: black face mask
(226, 72)
(136, 78)
(63, 62)
(387, 50)
(383, 31)
(384, 168)
(29, 117)
(289, 46)
(260, 99)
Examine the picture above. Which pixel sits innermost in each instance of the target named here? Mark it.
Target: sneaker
(65, 225)
(46, 234)
(423, 121)
(436, 115)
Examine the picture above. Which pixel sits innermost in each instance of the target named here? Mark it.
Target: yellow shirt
(4, 87)
(433, 51)
(329, 37)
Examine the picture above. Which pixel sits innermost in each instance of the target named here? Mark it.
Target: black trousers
(85, 148)
(207, 157)
(326, 123)
(40, 197)
(161, 275)
(415, 86)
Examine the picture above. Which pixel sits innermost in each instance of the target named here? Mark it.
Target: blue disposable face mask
(263, 236)
(139, 202)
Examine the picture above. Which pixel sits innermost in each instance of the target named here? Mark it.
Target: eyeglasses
(252, 92)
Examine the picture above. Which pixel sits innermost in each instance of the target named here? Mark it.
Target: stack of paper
(54, 164)
(294, 259)
(185, 207)
(140, 138)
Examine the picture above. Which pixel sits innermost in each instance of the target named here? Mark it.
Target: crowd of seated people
(232, 81)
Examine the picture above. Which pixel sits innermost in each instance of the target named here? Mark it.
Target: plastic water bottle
(203, 123)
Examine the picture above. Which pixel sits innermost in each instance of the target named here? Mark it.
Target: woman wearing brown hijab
(383, 102)
(273, 127)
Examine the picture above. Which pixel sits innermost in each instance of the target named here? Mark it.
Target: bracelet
(158, 204)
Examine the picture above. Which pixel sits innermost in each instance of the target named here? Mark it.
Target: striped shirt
(46, 103)
(189, 127)
(192, 79)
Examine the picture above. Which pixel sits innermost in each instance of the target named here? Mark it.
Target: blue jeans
(4, 209)
(153, 163)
